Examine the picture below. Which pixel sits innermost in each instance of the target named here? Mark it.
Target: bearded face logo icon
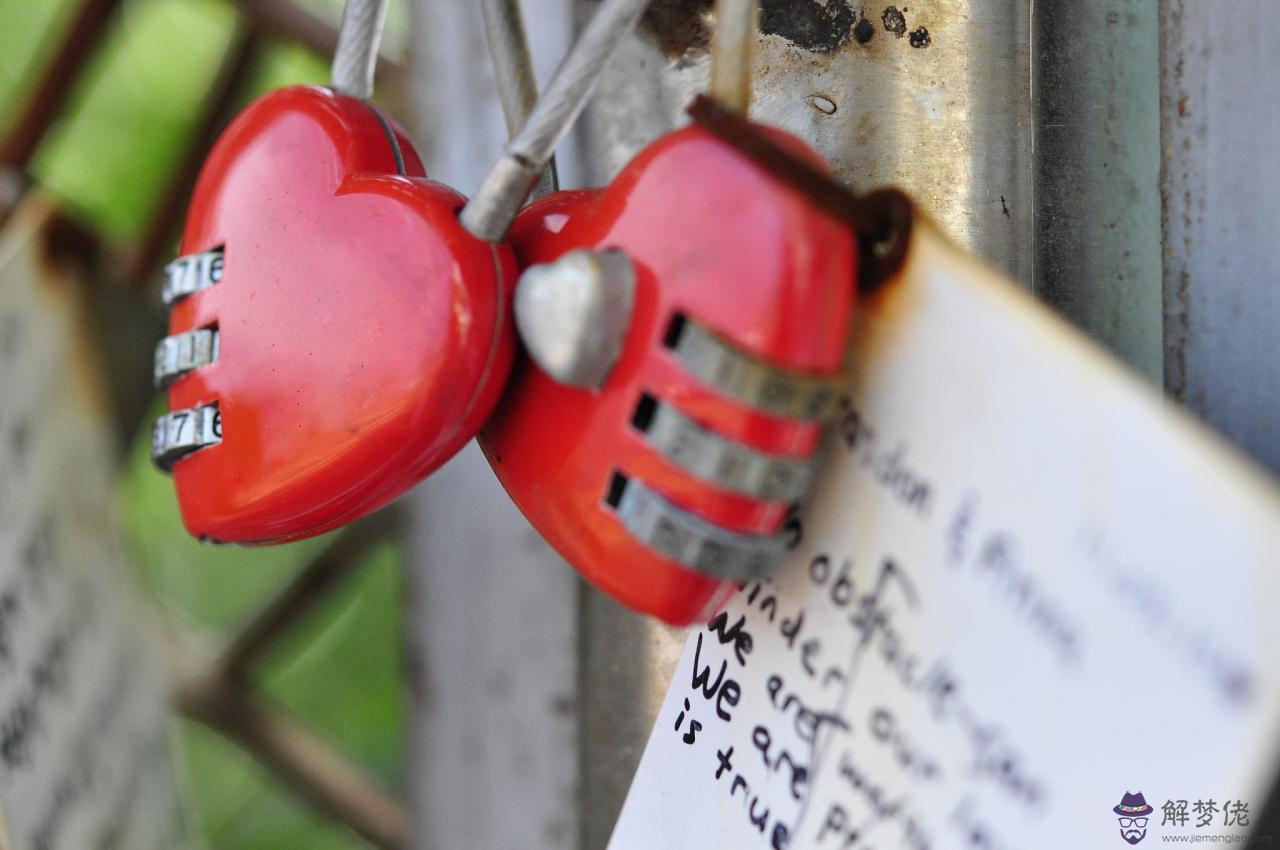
(1132, 814)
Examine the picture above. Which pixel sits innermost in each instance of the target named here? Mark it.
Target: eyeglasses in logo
(1132, 813)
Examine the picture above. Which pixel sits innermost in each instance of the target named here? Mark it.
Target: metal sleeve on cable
(505, 189)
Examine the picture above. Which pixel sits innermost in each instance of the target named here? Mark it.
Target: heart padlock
(687, 328)
(336, 334)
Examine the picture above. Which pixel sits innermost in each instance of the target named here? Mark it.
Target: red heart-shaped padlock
(672, 479)
(361, 335)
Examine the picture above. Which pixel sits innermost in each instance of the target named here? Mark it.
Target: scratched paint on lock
(84, 757)
(1023, 580)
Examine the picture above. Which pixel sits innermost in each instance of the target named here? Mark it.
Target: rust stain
(863, 30)
(680, 28)
(894, 21)
(822, 103)
(819, 27)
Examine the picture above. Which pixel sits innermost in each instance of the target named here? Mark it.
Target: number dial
(176, 435)
(363, 335)
(721, 245)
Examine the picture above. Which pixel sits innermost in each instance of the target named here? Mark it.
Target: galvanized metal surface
(934, 99)
(1220, 76)
(493, 612)
(625, 666)
(1048, 168)
(493, 631)
(1097, 172)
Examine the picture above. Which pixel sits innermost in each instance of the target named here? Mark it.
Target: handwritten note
(1026, 589)
(83, 756)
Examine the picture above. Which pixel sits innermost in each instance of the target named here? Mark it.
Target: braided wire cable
(513, 72)
(491, 210)
(357, 54)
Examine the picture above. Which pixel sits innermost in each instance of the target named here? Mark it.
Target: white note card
(85, 762)
(1031, 606)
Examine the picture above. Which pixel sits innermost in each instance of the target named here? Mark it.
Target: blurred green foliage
(107, 159)
(339, 671)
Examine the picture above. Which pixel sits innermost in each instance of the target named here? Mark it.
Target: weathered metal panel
(933, 97)
(1220, 76)
(494, 666)
(937, 98)
(493, 611)
(1097, 172)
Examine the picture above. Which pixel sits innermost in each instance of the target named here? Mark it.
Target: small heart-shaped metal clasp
(573, 314)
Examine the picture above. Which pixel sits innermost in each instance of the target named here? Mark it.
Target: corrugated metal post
(1220, 76)
(492, 616)
(1220, 184)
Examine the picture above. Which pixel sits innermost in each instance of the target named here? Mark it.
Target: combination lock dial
(662, 460)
